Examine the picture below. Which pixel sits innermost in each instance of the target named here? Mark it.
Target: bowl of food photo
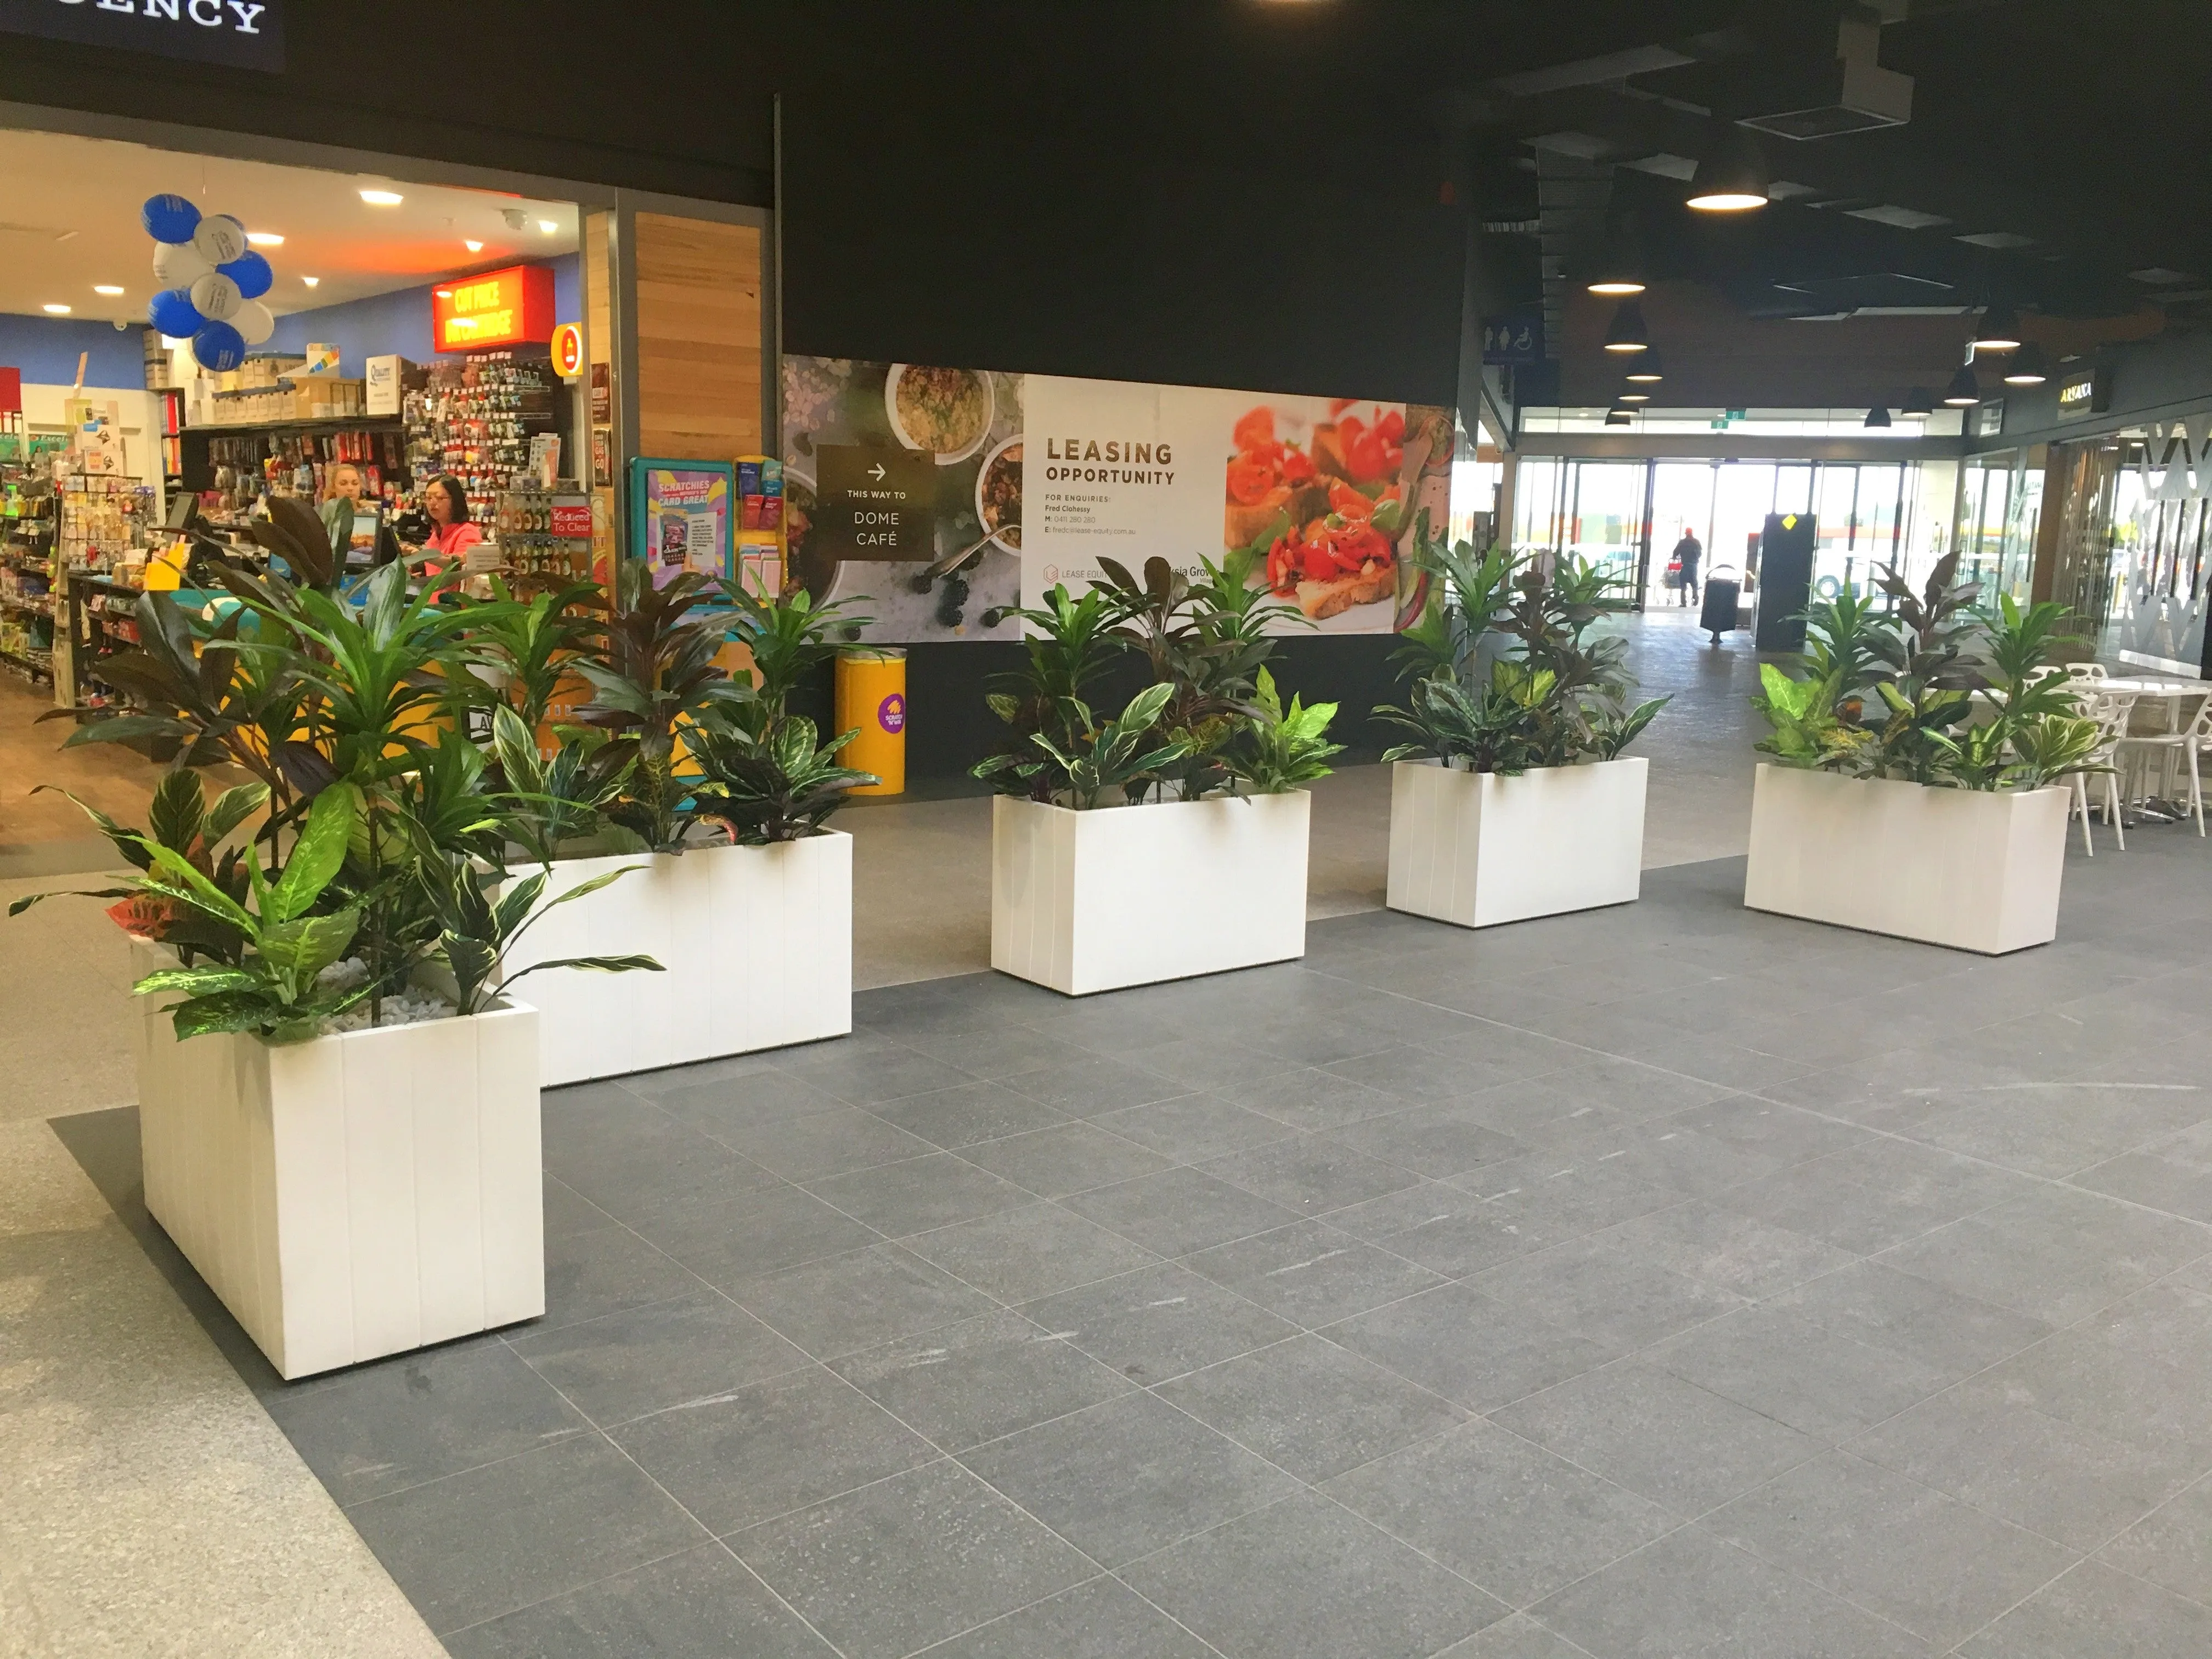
(945, 412)
(999, 494)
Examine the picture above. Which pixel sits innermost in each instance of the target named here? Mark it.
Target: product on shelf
(475, 419)
(544, 535)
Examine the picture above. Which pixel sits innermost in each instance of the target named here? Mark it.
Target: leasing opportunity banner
(951, 497)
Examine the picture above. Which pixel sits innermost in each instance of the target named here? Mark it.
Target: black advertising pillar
(1785, 580)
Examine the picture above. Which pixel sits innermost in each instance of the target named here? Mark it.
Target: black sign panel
(1785, 580)
(876, 505)
(2085, 392)
(243, 33)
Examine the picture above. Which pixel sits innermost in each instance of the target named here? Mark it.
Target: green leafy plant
(1286, 748)
(554, 805)
(1120, 755)
(789, 637)
(478, 924)
(530, 648)
(1069, 645)
(768, 779)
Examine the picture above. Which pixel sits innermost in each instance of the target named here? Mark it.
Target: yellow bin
(872, 699)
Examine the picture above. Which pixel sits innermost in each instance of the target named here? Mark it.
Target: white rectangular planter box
(1479, 849)
(352, 1196)
(1962, 868)
(757, 942)
(1086, 902)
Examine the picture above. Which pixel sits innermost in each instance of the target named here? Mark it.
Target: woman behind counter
(451, 533)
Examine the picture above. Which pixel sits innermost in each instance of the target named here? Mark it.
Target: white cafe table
(2165, 702)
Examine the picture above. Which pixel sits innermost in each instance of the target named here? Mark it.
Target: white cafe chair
(2112, 711)
(2165, 749)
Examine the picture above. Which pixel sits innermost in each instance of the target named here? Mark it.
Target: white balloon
(179, 264)
(216, 298)
(220, 239)
(254, 321)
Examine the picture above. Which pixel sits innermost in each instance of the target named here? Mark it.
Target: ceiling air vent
(1853, 94)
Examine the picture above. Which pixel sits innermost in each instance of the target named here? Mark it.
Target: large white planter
(757, 942)
(1961, 868)
(1478, 849)
(352, 1196)
(1086, 902)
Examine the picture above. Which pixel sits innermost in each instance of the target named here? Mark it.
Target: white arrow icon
(876, 472)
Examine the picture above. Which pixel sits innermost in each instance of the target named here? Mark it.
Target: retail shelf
(330, 423)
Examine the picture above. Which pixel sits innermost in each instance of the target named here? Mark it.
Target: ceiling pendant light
(1999, 329)
(1878, 419)
(1647, 370)
(1617, 417)
(1965, 390)
(1919, 405)
(1733, 177)
(1632, 394)
(1626, 332)
(1618, 273)
(2030, 368)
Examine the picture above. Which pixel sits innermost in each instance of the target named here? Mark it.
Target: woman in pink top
(451, 535)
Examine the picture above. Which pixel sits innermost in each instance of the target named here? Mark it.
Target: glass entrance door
(1609, 522)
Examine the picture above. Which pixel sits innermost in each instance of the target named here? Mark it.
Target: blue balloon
(173, 313)
(253, 273)
(169, 218)
(220, 348)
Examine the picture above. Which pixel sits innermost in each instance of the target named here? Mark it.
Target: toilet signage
(242, 34)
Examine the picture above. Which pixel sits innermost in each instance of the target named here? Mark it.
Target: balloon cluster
(211, 281)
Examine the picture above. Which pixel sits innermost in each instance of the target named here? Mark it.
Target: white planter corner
(352, 1196)
(1084, 901)
(756, 943)
(1970, 869)
(1477, 849)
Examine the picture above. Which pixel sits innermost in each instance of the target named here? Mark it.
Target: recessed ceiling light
(312, 281)
(382, 197)
(109, 289)
(57, 310)
(550, 227)
(473, 247)
(264, 239)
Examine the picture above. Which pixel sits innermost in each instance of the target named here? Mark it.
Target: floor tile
(1436, 1141)
(1311, 1407)
(1550, 1196)
(1129, 1477)
(1446, 1228)
(1798, 1372)
(2055, 1130)
(996, 1050)
(1518, 1638)
(701, 1604)
(759, 1233)
(1192, 1126)
(1086, 1088)
(1874, 1196)
(1874, 1302)
(1678, 1444)
(2055, 1254)
(739, 1458)
(1200, 1062)
(1691, 1593)
(760, 1096)
(1596, 1094)
(919, 1194)
(473, 1546)
(1607, 1294)
(1158, 1322)
(1666, 1153)
(1071, 1158)
(2094, 1612)
(1179, 1211)
(825, 1144)
(1509, 1515)
(627, 1157)
(869, 1075)
(1304, 1580)
(975, 1111)
(2174, 1177)
(1101, 1619)
(568, 1210)
(1310, 1274)
(605, 1271)
(1892, 1545)
(1419, 1075)
(979, 1380)
(2140, 1371)
(1752, 1257)
(1310, 1099)
(1461, 1344)
(2065, 1481)
(2169, 1548)
(1311, 1174)
(1019, 1255)
(646, 1359)
(847, 1303)
(421, 1416)
(907, 1562)
(657, 1085)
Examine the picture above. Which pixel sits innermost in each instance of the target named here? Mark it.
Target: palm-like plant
(788, 636)
(530, 648)
(1071, 644)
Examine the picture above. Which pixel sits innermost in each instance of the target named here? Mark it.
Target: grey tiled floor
(1664, 1281)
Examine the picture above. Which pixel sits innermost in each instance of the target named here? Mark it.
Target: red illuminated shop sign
(497, 308)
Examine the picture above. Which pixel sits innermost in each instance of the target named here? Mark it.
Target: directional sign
(875, 506)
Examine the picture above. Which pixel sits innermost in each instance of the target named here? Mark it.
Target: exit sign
(498, 308)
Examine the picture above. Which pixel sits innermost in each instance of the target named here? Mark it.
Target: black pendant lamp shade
(1632, 394)
(1617, 417)
(1999, 330)
(1919, 404)
(2029, 368)
(1878, 417)
(1734, 176)
(1646, 370)
(1965, 390)
(1618, 273)
(1627, 333)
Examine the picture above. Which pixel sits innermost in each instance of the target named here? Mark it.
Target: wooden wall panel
(698, 338)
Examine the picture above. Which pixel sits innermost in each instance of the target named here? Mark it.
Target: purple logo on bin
(890, 714)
